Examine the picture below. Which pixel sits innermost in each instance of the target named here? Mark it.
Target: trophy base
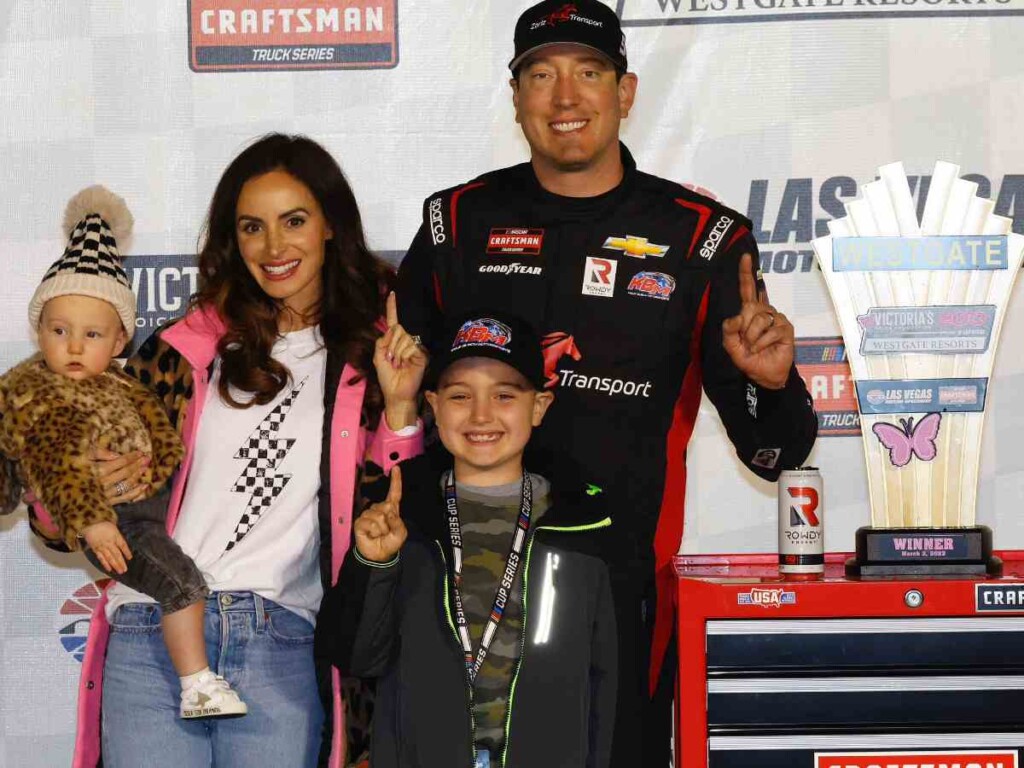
(886, 553)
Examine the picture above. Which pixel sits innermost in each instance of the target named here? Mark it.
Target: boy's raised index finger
(748, 285)
(395, 491)
(391, 310)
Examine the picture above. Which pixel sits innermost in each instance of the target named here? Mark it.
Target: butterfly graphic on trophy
(907, 439)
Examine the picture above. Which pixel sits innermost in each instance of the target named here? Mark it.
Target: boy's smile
(485, 412)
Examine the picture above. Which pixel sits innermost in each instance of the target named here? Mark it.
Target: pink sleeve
(388, 447)
(44, 521)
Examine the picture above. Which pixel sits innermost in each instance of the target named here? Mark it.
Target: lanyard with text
(505, 585)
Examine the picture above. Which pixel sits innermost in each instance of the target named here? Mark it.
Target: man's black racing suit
(629, 290)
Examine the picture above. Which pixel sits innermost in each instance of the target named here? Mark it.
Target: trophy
(920, 305)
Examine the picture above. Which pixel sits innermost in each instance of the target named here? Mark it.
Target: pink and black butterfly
(910, 439)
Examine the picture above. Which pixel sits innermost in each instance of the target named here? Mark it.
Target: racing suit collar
(561, 208)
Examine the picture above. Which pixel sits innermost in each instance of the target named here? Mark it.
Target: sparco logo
(436, 221)
(514, 268)
(707, 250)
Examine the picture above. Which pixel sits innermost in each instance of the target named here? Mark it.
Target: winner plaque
(920, 305)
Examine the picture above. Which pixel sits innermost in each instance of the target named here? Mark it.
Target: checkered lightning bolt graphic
(260, 479)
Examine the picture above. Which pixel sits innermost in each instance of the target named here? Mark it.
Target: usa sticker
(1004, 758)
(766, 597)
(652, 285)
(243, 35)
(599, 277)
(525, 242)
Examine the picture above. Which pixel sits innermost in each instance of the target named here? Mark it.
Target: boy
(60, 404)
(477, 592)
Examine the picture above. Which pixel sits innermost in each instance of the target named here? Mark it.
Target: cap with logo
(585, 22)
(494, 335)
(94, 220)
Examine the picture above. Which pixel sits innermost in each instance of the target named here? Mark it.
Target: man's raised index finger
(748, 285)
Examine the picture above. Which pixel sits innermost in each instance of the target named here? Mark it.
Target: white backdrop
(778, 107)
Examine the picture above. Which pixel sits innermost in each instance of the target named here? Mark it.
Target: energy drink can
(801, 524)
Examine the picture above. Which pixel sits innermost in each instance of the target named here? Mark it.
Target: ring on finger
(417, 340)
(121, 487)
(771, 319)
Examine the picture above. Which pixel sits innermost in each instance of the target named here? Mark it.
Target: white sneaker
(211, 696)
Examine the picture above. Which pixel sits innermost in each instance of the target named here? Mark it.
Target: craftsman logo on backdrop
(74, 617)
(822, 364)
(975, 758)
(233, 35)
(162, 285)
(646, 13)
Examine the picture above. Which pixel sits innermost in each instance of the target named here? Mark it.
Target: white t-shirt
(249, 515)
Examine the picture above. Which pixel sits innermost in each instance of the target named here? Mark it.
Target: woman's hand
(400, 361)
(120, 476)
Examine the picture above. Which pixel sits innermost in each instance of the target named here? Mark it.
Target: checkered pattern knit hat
(94, 221)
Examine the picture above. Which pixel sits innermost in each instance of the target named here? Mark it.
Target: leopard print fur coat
(48, 423)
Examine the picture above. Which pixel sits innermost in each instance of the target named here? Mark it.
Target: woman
(271, 381)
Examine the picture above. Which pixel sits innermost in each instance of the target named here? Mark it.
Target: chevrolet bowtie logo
(637, 247)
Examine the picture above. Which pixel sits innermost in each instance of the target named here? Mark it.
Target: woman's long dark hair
(355, 282)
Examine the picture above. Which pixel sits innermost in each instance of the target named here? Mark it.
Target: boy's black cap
(495, 335)
(583, 22)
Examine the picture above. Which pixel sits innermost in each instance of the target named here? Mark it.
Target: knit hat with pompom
(94, 221)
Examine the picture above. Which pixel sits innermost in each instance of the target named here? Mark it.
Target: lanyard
(506, 583)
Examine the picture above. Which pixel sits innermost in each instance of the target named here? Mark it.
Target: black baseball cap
(494, 335)
(584, 22)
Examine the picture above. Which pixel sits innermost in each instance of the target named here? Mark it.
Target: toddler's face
(80, 335)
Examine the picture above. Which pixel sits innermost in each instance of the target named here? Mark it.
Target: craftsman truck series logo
(822, 364)
(227, 35)
(515, 241)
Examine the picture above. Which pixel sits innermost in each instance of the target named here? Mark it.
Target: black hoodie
(395, 622)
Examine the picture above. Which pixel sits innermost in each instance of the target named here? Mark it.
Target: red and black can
(801, 524)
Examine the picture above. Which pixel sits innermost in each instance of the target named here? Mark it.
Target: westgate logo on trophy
(920, 305)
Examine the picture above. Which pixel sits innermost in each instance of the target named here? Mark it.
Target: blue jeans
(262, 649)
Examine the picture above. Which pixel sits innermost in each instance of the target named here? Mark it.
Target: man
(644, 291)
